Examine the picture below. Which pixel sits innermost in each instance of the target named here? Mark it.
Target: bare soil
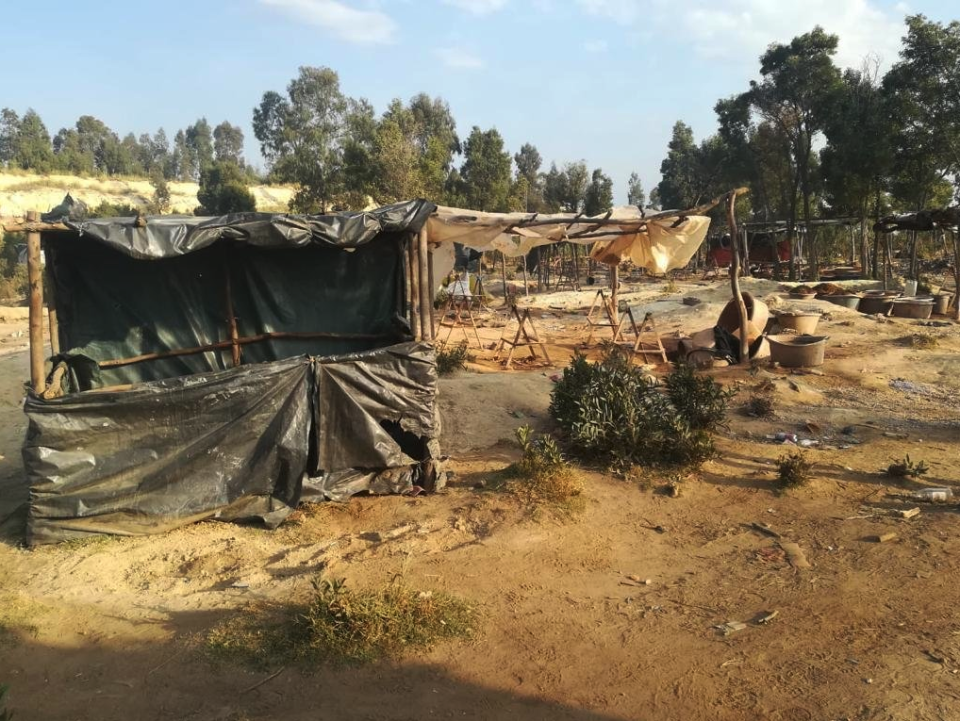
(113, 629)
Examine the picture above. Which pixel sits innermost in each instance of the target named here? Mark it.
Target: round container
(797, 351)
(803, 296)
(803, 323)
(912, 307)
(910, 288)
(941, 303)
(877, 301)
(847, 301)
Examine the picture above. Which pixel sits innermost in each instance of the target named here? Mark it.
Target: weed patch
(343, 626)
(907, 469)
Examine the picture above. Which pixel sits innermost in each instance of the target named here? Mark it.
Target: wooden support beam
(52, 323)
(433, 293)
(414, 263)
(426, 297)
(35, 277)
(231, 318)
(219, 345)
(614, 286)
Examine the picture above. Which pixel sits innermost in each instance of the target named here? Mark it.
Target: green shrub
(611, 411)
(542, 475)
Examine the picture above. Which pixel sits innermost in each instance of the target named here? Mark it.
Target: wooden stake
(503, 270)
(426, 296)
(414, 263)
(231, 318)
(735, 280)
(614, 286)
(526, 289)
(35, 277)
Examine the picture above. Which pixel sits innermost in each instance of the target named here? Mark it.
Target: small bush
(923, 342)
(543, 475)
(907, 469)
(611, 411)
(452, 359)
(344, 626)
(794, 469)
(759, 406)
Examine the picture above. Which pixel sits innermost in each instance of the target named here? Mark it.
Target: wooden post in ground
(35, 277)
(433, 292)
(614, 286)
(414, 264)
(231, 318)
(52, 322)
(503, 270)
(735, 280)
(426, 295)
(956, 272)
(526, 289)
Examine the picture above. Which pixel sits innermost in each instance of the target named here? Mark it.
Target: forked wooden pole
(735, 279)
(35, 277)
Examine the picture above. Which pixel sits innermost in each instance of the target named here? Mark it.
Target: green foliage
(486, 171)
(906, 468)
(698, 398)
(113, 210)
(161, 193)
(5, 713)
(635, 194)
(452, 359)
(794, 469)
(339, 626)
(599, 195)
(611, 411)
(542, 477)
(223, 189)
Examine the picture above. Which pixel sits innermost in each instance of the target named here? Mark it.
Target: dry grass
(794, 470)
(923, 342)
(759, 406)
(343, 626)
(18, 619)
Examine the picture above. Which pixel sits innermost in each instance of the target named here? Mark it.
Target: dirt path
(107, 630)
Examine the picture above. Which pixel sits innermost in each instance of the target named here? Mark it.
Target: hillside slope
(21, 193)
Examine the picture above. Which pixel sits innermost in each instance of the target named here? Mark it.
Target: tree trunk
(735, 280)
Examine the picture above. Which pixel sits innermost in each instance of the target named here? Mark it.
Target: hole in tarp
(410, 443)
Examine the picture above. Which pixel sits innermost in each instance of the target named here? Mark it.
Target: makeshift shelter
(226, 368)
(231, 367)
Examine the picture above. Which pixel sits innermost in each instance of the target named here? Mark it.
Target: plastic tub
(941, 303)
(880, 301)
(797, 351)
(847, 300)
(803, 296)
(912, 307)
(803, 323)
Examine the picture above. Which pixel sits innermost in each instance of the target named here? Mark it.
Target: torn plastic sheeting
(370, 405)
(176, 235)
(146, 461)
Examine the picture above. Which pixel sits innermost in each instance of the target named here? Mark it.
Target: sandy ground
(107, 629)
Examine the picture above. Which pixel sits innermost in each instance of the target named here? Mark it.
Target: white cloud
(595, 46)
(478, 7)
(744, 28)
(459, 59)
(368, 27)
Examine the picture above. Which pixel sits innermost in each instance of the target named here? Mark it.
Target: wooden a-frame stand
(460, 307)
(531, 339)
(646, 335)
(602, 314)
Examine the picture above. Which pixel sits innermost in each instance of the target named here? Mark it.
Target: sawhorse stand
(602, 315)
(530, 340)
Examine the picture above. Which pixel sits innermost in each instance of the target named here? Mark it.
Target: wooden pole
(526, 289)
(52, 322)
(35, 277)
(735, 280)
(433, 292)
(614, 286)
(426, 294)
(956, 273)
(503, 272)
(414, 263)
(231, 318)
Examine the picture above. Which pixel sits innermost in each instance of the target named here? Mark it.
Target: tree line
(812, 141)
(334, 148)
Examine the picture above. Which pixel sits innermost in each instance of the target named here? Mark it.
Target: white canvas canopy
(659, 243)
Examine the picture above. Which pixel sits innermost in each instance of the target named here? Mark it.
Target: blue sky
(598, 80)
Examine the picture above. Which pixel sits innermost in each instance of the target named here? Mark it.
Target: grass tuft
(343, 626)
(759, 406)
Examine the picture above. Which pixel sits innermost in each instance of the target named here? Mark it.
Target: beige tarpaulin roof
(658, 243)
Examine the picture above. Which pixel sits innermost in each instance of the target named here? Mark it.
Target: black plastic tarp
(170, 236)
(233, 445)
